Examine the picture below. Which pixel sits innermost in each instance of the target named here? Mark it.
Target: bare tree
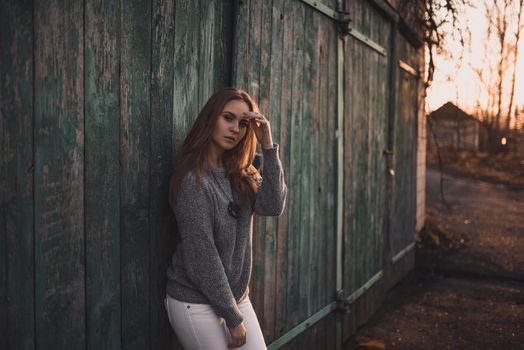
(433, 16)
(515, 60)
(498, 71)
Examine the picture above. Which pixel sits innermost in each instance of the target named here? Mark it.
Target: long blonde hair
(237, 161)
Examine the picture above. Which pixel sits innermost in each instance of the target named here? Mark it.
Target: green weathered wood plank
(368, 141)
(253, 80)
(314, 158)
(135, 124)
(295, 132)
(223, 44)
(269, 102)
(213, 32)
(402, 223)
(393, 91)
(206, 37)
(365, 209)
(59, 175)
(330, 118)
(102, 195)
(186, 62)
(306, 219)
(322, 173)
(16, 176)
(375, 129)
(287, 127)
(241, 51)
(351, 101)
(272, 276)
(283, 233)
(162, 225)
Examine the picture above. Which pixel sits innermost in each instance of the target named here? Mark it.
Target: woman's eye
(243, 124)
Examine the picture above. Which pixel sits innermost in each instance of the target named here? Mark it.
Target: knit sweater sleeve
(270, 199)
(195, 215)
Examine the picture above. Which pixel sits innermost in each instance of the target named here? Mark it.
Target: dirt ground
(467, 290)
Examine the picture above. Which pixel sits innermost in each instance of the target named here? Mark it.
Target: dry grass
(504, 168)
(435, 235)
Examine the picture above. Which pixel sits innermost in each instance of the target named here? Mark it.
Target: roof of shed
(450, 111)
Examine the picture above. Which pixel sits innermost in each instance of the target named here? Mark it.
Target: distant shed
(453, 129)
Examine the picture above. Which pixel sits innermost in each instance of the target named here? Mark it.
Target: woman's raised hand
(238, 336)
(261, 127)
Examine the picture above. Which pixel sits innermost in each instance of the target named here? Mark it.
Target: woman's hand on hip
(238, 336)
(261, 127)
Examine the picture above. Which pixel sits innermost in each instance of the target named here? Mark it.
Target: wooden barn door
(404, 138)
(285, 56)
(366, 103)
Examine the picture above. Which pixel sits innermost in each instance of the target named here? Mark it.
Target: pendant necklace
(232, 208)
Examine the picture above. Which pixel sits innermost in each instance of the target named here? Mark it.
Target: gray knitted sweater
(212, 262)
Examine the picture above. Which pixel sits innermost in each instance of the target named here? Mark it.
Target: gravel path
(466, 298)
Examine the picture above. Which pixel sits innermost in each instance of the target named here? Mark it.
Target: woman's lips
(230, 138)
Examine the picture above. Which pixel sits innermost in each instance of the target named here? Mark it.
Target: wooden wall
(403, 211)
(96, 98)
(365, 134)
(286, 58)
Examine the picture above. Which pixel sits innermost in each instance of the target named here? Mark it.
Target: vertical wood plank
(214, 33)
(59, 175)
(322, 173)
(252, 85)
(162, 223)
(16, 176)
(314, 158)
(102, 197)
(242, 49)
(316, 181)
(283, 250)
(402, 227)
(330, 94)
(206, 38)
(366, 205)
(296, 47)
(224, 43)
(186, 62)
(307, 216)
(253, 55)
(269, 93)
(185, 81)
(272, 276)
(135, 128)
(305, 233)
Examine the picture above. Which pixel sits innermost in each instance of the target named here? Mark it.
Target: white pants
(197, 326)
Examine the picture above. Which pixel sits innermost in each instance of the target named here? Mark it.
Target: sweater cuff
(270, 155)
(275, 146)
(233, 317)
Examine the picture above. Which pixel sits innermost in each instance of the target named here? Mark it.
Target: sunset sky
(455, 79)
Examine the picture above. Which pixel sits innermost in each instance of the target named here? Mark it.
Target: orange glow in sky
(455, 80)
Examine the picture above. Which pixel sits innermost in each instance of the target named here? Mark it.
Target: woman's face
(231, 125)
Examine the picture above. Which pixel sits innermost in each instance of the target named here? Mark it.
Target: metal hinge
(343, 304)
(343, 24)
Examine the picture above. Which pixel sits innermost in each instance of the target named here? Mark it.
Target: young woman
(214, 192)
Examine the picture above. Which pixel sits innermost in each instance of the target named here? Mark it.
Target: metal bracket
(343, 24)
(341, 18)
(343, 304)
